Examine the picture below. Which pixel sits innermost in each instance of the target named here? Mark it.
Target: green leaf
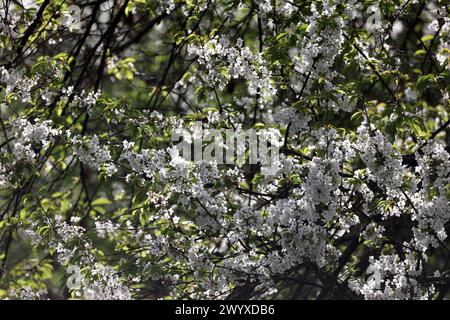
(420, 52)
(259, 125)
(100, 202)
(357, 116)
(244, 185)
(427, 38)
(23, 214)
(57, 194)
(424, 81)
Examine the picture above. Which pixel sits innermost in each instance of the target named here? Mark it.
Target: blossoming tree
(96, 202)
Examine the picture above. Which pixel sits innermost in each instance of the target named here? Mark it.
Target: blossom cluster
(354, 94)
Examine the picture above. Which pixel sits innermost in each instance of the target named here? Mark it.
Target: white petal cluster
(92, 153)
(224, 61)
